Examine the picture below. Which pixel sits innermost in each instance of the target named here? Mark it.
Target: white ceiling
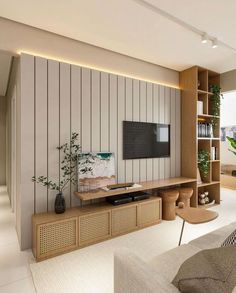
(126, 27)
(5, 67)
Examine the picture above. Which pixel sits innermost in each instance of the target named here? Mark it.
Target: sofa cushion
(213, 239)
(168, 263)
(210, 270)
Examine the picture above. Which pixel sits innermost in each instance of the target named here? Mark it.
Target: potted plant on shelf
(68, 168)
(204, 163)
(232, 142)
(215, 103)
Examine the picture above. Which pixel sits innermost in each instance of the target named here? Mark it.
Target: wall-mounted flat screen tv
(145, 140)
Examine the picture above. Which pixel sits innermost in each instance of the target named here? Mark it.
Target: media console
(54, 234)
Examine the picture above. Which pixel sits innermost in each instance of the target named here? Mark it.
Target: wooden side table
(194, 216)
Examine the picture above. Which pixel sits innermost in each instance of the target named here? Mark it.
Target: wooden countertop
(146, 185)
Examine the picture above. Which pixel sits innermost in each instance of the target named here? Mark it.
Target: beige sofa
(132, 275)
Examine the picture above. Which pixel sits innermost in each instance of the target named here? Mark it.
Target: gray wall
(2, 140)
(228, 81)
(59, 98)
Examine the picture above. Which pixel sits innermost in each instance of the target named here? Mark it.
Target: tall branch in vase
(68, 168)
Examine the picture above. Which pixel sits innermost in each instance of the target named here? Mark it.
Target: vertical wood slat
(121, 117)
(65, 97)
(172, 133)
(104, 112)
(41, 135)
(162, 121)
(95, 112)
(86, 110)
(156, 119)
(136, 104)
(128, 117)
(143, 118)
(149, 174)
(27, 169)
(178, 134)
(113, 117)
(53, 128)
(75, 115)
(167, 121)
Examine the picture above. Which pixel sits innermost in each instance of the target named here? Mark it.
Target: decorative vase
(60, 204)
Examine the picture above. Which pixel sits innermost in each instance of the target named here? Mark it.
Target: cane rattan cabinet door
(94, 227)
(124, 219)
(149, 213)
(56, 237)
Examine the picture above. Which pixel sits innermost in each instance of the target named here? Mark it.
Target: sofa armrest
(132, 275)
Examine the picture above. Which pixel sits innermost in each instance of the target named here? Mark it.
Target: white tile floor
(15, 274)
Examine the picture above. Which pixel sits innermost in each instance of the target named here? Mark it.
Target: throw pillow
(208, 271)
(230, 240)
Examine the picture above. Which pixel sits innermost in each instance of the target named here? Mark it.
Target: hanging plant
(215, 103)
(204, 162)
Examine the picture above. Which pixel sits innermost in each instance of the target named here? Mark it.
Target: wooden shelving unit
(195, 83)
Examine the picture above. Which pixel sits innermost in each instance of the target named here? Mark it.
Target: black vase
(60, 204)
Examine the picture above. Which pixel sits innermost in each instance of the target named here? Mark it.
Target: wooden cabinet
(124, 219)
(56, 237)
(78, 227)
(149, 213)
(94, 227)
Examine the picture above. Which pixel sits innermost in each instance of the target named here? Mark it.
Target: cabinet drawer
(124, 219)
(149, 213)
(56, 237)
(94, 227)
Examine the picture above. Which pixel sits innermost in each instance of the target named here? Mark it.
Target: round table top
(196, 215)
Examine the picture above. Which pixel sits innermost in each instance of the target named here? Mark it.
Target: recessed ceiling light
(214, 44)
(204, 38)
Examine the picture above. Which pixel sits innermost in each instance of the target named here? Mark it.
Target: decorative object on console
(96, 170)
(204, 162)
(68, 172)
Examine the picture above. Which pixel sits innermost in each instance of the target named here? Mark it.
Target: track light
(214, 44)
(204, 38)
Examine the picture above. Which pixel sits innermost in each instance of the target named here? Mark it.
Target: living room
(118, 149)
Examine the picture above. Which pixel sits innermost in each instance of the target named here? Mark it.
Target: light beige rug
(90, 269)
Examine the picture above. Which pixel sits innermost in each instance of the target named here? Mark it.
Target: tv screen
(145, 140)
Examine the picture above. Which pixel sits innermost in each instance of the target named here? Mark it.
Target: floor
(97, 260)
(15, 275)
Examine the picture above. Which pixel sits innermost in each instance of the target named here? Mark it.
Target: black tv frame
(125, 157)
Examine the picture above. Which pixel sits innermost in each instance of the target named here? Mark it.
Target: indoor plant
(204, 162)
(215, 102)
(232, 142)
(68, 168)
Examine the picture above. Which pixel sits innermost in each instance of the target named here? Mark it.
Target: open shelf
(208, 183)
(195, 84)
(204, 92)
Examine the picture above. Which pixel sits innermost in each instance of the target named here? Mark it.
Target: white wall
(2, 140)
(59, 98)
(228, 118)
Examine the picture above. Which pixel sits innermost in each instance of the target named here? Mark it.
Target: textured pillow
(208, 271)
(230, 240)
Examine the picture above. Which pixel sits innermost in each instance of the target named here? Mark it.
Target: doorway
(228, 140)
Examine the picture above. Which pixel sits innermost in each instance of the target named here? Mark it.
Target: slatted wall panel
(59, 98)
